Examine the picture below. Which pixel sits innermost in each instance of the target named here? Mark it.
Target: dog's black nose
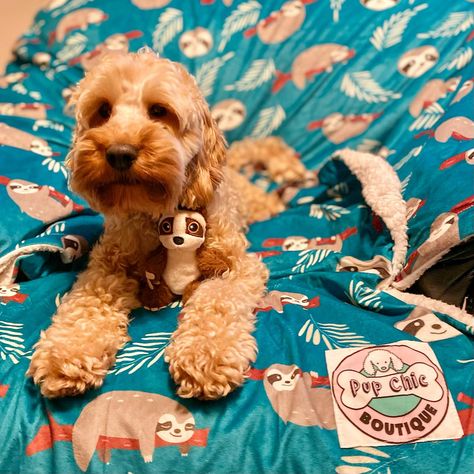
(121, 156)
(178, 240)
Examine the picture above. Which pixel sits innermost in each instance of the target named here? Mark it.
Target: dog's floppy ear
(397, 363)
(369, 368)
(204, 172)
(78, 129)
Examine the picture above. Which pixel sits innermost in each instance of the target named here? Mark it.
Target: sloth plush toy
(182, 261)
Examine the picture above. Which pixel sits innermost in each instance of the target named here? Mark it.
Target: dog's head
(145, 140)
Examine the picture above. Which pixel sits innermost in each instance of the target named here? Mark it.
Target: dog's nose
(178, 240)
(121, 156)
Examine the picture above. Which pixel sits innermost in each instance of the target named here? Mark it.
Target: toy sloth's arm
(212, 262)
(154, 293)
(153, 267)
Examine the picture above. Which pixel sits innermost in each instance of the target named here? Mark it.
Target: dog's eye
(193, 227)
(105, 110)
(157, 111)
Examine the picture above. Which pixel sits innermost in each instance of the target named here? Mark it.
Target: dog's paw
(61, 377)
(204, 369)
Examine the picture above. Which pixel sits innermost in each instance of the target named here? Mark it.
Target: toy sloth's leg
(156, 298)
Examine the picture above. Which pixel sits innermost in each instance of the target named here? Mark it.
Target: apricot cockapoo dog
(145, 143)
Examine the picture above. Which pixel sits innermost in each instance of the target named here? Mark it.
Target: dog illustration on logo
(381, 362)
(298, 397)
(395, 393)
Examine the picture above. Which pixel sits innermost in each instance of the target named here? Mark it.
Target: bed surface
(379, 76)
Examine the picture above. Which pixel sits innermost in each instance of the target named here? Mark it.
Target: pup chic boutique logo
(390, 394)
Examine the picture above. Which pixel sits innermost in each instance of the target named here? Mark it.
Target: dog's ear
(369, 368)
(397, 363)
(72, 103)
(205, 171)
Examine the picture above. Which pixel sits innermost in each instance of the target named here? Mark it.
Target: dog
(145, 144)
(382, 362)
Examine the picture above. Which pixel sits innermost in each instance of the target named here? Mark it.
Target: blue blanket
(384, 76)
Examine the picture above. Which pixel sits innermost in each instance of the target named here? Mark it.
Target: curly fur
(180, 162)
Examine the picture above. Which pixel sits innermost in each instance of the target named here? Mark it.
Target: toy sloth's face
(175, 431)
(184, 230)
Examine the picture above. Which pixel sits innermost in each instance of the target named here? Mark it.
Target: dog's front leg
(213, 346)
(90, 325)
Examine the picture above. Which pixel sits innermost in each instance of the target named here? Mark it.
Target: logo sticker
(390, 394)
